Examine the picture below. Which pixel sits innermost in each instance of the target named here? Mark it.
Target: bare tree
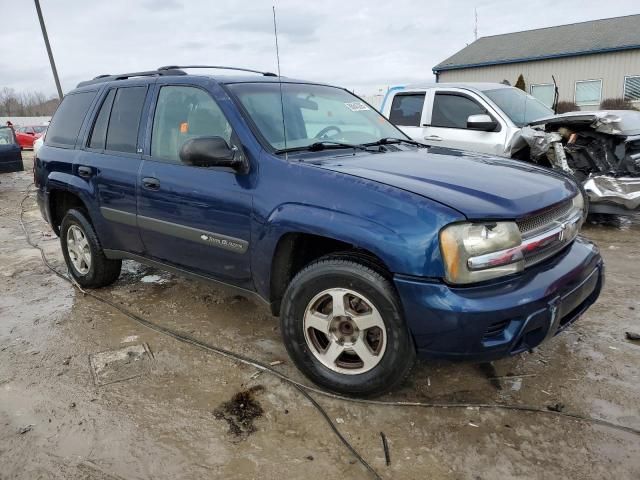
(26, 104)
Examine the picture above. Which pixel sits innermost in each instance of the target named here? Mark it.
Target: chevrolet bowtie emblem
(563, 229)
(204, 237)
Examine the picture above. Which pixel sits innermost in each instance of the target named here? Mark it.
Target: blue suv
(371, 248)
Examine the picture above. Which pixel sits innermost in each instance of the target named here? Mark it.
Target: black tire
(348, 273)
(102, 271)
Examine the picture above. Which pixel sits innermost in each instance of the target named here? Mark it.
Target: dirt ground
(69, 408)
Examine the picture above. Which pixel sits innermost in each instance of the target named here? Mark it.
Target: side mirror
(212, 152)
(482, 122)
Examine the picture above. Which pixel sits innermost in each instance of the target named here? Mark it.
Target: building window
(544, 92)
(588, 92)
(632, 88)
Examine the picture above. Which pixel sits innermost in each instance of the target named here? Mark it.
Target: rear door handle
(151, 183)
(433, 138)
(84, 172)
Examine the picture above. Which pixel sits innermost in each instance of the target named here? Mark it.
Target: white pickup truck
(601, 149)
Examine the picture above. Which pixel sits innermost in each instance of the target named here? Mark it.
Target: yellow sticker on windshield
(356, 106)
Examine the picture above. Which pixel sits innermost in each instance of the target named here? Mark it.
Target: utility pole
(46, 43)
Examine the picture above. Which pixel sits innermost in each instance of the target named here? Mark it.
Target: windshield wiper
(392, 140)
(323, 145)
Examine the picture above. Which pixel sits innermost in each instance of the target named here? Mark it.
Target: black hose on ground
(300, 387)
(197, 343)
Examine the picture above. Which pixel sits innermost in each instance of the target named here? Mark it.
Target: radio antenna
(284, 127)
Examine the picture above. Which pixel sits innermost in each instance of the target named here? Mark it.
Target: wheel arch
(296, 235)
(66, 191)
(60, 202)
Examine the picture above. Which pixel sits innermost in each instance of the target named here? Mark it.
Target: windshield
(519, 106)
(313, 113)
(39, 129)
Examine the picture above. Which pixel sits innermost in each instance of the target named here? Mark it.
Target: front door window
(183, 113)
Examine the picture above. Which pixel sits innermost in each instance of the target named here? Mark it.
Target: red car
(27, 135)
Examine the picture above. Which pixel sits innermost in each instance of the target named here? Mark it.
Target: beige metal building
(591, 61)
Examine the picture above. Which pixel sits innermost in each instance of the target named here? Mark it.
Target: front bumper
(618, 195)
(502, 318)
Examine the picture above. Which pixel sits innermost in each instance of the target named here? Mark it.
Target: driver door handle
(151, 183)
(433, 138)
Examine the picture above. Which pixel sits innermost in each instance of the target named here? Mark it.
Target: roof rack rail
(168, 70)
(124, 76)
(221, 67)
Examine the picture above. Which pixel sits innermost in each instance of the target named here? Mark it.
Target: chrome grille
(563, 217)
(545, 220)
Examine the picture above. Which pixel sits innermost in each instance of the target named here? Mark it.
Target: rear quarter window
(65, 124)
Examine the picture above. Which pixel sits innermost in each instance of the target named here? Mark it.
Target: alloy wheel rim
(345, 331)
(78, 249)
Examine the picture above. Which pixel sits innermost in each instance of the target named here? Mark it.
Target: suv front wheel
(343, 327)
(83, 253)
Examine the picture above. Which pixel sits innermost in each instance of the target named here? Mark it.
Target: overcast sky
(362, 45)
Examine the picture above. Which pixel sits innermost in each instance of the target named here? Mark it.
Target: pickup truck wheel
(343, 327)
(83, 253)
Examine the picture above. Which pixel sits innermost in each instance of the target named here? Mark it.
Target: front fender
(414, 251)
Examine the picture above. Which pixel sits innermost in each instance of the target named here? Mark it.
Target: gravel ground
(87, 393)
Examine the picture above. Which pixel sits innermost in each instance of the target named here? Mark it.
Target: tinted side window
(66, 122)
(406, 109)
(122, 133)
(183, 113)
(452, 111)
(99, 133)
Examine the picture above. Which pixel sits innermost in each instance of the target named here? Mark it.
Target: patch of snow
(153, 279)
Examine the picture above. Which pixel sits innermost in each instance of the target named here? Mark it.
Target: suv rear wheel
(343, 327)
(83, 253)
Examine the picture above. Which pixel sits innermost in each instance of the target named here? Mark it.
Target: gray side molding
(196, 235)
(119, 216)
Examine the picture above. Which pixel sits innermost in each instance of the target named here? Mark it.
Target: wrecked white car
(600, 149)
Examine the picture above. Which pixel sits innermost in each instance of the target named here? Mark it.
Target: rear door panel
(114, 173)
(10, 155)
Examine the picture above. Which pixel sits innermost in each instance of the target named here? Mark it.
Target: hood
(614, 122)
(478, 186)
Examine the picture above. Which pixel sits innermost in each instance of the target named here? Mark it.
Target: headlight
(469, 249)
(578, 204)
